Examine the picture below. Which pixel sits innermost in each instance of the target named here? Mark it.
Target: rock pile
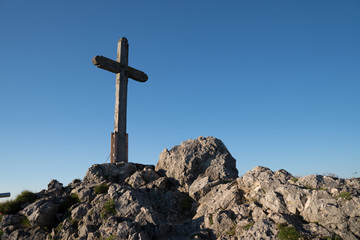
(193, 192)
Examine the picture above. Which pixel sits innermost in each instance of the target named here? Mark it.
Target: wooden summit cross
(119, 138)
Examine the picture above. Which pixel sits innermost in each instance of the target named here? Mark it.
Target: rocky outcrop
(192, 193)
(203, 158)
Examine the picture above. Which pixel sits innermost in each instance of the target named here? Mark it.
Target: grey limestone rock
(55, 184)
(201, 186)
(115, 173)
(41, 212)
(202, 157)
(192, 193)
(142, 177)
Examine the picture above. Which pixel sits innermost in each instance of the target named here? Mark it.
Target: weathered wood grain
(119, 138)
(115, 67)
(121, 101)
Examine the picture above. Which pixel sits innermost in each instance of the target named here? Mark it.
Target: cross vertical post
(119, 152)
(119, 138)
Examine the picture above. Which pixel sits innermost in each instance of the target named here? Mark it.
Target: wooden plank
(106, 64)
(121, 101)
(113, 148)
(137, 75)
(115, 67)
(4, 195)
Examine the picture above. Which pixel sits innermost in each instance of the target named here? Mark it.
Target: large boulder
(41, 213)
(202, 157)
(115, 173)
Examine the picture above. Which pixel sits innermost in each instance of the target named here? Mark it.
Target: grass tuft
(211, 220)
(288, 232)
(102, 188)
(109, 209)
(248, 226)
(344, 195)
(13, 206)
(232, 230)
(74, 223)
(294, 179)
(25, 222)
(112, 237)
(68, 202)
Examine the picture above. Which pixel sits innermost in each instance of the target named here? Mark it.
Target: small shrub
(68, 202)
(211, 220)
(74, 223)
(9, 207)
(13, 206)
(110, 238)
(109, 209)
(58, 228)
(344, 195)
(102, 188)
(25, 222)
(288, 232)
(248, 226)
(26, 197)
(186, 204)
(232, 230)
(294, 179)
(1, 233)
(309, 187)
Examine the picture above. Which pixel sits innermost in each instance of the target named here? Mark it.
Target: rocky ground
(193, 192)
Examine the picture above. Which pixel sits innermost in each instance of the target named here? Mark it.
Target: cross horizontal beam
(4, 195)
(115, 67)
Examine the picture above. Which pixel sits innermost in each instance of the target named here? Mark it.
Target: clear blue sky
(277, 81)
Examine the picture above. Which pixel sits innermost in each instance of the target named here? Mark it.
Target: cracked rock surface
(193, 192)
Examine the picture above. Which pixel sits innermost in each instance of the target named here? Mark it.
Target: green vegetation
(344, 195)
(232, 230)
(335, 237)
(102, 188)
(26, 197)
(248, 226)
(1, 233)
(109, 209)
(294, 179)
(59, 227)
(13, 206)
(68, 202)
(309, 187)
(74, 223)
(110, 238)
(186, 204)
(25, 222)
(211, 219)
(288, 232)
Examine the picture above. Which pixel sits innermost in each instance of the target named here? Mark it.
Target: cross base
(114, 156)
